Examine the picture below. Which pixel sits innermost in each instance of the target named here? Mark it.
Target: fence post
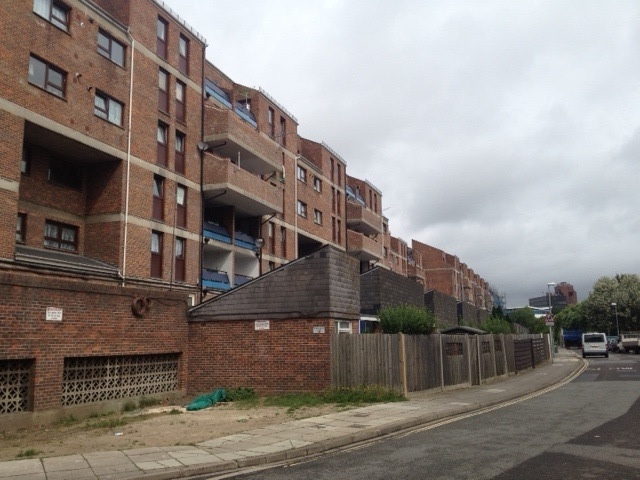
(441, 364)
(493, 354)
(478, 345)
(505, 368)
(403, 365)
(469, 360)
(533, 355)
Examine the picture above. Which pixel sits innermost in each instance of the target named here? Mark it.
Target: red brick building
(141, 180)
(101, 109)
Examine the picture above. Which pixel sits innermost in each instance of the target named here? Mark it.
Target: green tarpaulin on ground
(206, 401)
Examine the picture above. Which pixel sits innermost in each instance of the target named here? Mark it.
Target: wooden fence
(410, 363)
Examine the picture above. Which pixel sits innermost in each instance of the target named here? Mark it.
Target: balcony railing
(216, 92)
(216, 232)
(215, 279)
(245, 114)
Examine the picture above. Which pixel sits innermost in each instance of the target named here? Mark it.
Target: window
(162, 135)
(283, 241)
(65, 174)
(163, 91)
(302, 209)
(21, 227)
(53, 11)
(338, 203)
(158, 198)
(270, 119)
(181, 244)
(283, 131)
(183, 50)
(302, 174)
(111, 48)
(317, 184)
(272, 240)
(60, 236)
(331, 168)
(339, 230)
(339, 175)
(107, 108)
(179, 146)
(156, 254)
(46, 76)
(333, 199)
(162, 27)
(25, 162)
(181, 91)
(317, 216)
(181, 206)
(343, 326)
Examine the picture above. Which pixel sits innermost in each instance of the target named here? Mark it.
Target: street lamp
(615, 305)
(552, 346)
(259, 245)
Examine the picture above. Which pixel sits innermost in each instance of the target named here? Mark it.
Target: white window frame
(343, 326)
(302, 174)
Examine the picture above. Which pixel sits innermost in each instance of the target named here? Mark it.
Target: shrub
(408, 319)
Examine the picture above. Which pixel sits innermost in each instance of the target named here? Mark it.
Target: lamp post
(551, 342)
(259, 245)
(615, 305)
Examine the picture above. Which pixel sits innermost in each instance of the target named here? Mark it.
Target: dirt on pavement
(158, 426)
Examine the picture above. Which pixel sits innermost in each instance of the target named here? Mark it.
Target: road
(589, 428)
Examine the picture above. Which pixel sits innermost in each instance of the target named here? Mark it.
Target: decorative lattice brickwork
(95, 379)
(15, 381)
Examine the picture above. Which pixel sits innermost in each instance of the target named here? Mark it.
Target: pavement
(299, 438)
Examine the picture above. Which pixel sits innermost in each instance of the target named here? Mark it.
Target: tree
(624, 291)
(525, 317)
(408, 319)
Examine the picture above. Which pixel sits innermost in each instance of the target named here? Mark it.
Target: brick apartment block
(141, 180)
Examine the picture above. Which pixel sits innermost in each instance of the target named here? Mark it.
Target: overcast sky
(506, 133)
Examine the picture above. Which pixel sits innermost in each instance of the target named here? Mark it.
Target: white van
(594, 344)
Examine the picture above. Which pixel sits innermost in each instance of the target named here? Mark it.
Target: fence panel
(431, 361)
(365, 360)
(539, 350)
(423, 362)
(500, 354)
(455, 350)
(522, 353)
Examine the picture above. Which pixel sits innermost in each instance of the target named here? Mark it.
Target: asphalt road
(587, 429)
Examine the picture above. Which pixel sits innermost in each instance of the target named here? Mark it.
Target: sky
(504, 133)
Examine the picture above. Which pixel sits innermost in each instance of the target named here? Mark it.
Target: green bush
(240, 393)
(408, 319)
(496, 325)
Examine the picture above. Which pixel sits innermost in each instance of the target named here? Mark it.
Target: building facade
(140, 181)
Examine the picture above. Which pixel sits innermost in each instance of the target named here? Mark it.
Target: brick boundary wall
(288, 357)
(97, 320)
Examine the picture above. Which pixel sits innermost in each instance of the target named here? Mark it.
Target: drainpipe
(126, 202)
(295, 202)
(202, 200)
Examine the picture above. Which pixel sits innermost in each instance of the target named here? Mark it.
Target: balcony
(363, 220)
(215, 279)
(241, 140)
(363, 247)
(227, 184)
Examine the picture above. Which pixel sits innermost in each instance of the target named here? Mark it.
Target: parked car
(594, 344)
(612, 344)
